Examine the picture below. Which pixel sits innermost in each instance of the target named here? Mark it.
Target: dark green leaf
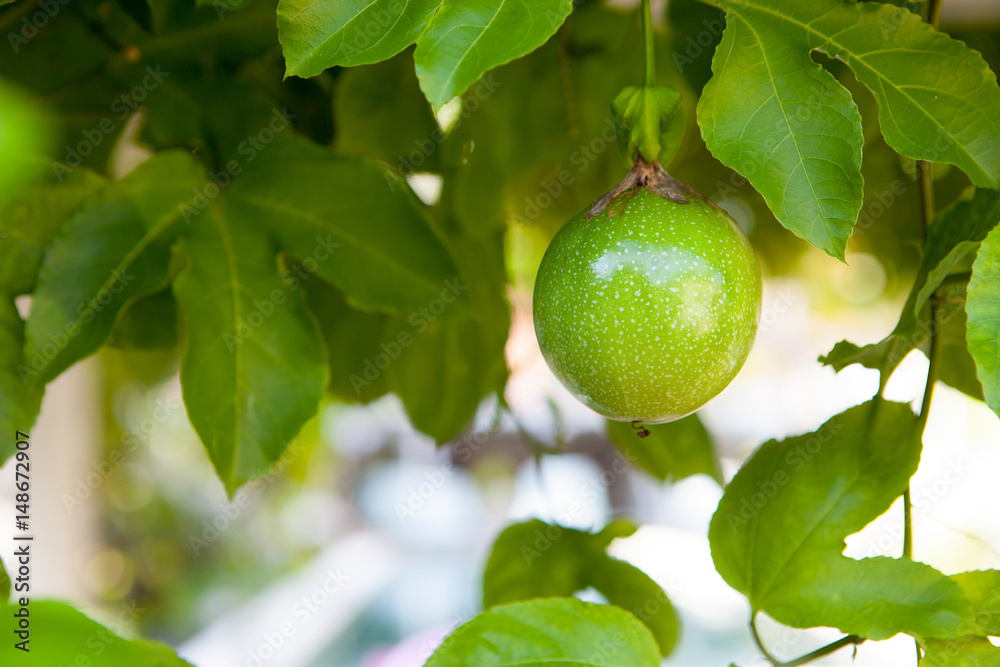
(19, 400)
(631, 589)
(354, 344)
(955, 235)
(651, 121)
(675, 450)
(382, 114)
(549, 633)
(254, 367)
(111, 251)
(61, 635)
(779, 532)
(350, 221)
(30, 223)
(147, 323)
(983, 308)
(139, 11)
(318, 35)
(450, 364)
(467, 38)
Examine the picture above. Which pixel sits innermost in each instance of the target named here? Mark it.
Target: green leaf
(253, 367)
(961, 652)
(779, 532)
(675, 450)
(445, 365)
(439, 370)
(780, 120)
(382, 114)
(110, 252)
(784, 123)
(955, 235)
(61, 635)
(536, 559)
(139, 11)
(4, 583)
(359, 227)
(19, 400)
(467, 38)
(983, 309)
(30, 223)
(354, 344)
(652, 120)
(549, 633)
(318, 35)
(982, 587)
(147, 323)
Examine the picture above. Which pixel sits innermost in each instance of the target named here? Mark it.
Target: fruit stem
(654, 178)
(647, 36)
(807, 658)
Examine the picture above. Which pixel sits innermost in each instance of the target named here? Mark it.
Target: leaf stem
(647, 37)
(934, 12)
(847, 640)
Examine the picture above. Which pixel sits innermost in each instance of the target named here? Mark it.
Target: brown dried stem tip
(650, 176)
(641, 430)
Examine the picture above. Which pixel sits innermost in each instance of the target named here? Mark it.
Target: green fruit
(648, 309)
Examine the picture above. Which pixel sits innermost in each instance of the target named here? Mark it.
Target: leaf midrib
(856, 58)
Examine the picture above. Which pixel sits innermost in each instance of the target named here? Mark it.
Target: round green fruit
(647, 310)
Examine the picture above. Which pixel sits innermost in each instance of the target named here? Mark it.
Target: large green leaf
(31, 221)
(779, 532)
(111, 251)
(467, 38)
(675, 450)
(983, 308)
(61, 635)
(19, 400)
(775, 116)
(784, 123)
(549, 633)
(253, 367)
(536, 559)
(318, 35)
(351, 221)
